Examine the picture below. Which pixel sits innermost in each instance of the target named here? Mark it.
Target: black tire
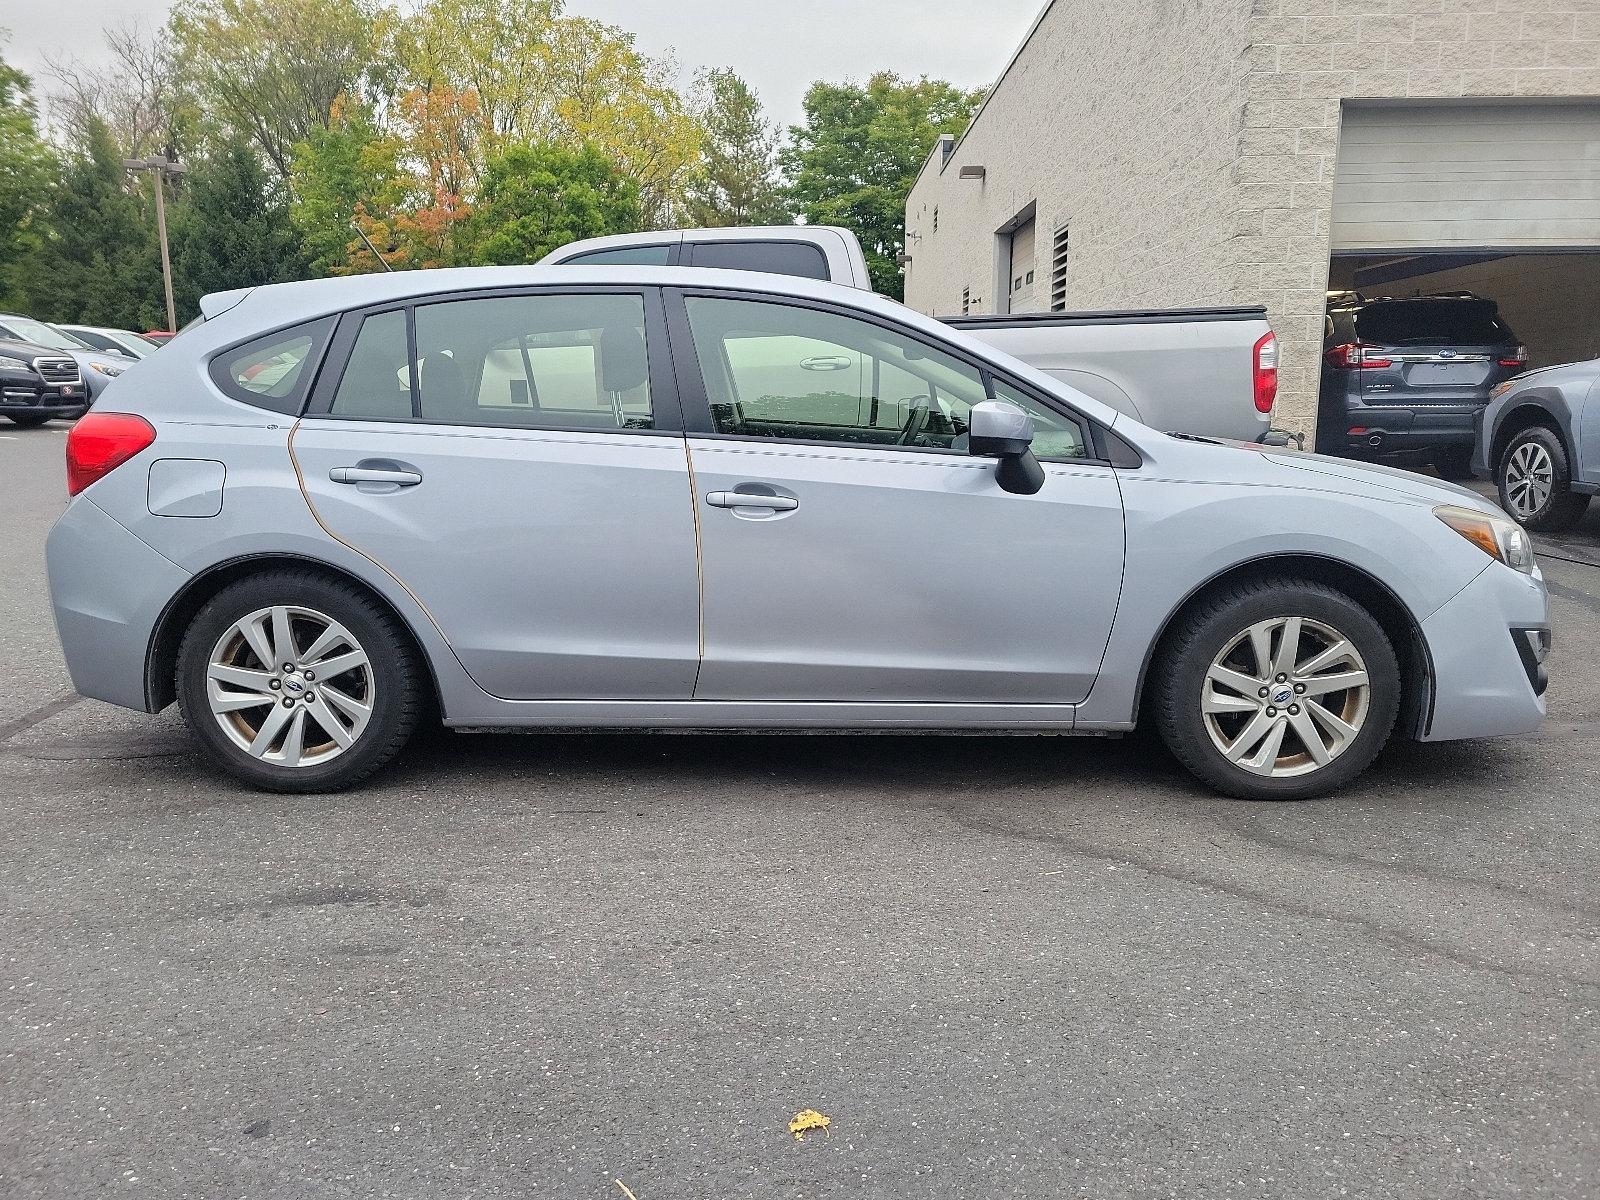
(400, 693)
(1180, 670)
(1453, 463)
(1562, 509)
(28, 420)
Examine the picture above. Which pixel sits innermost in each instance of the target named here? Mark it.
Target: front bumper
(27, 395)
(1483, 683)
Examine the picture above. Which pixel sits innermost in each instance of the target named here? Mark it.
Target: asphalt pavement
(560, 966)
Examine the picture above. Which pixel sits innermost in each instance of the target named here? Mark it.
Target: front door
(852, 551)
(524, 476)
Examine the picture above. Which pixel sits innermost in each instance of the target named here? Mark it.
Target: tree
(736, 182)
(854, 160)
(96, 261)
(536, 198)
(27, 170)
(541, 76)
(347, 166)
(137, 92)
(272, 69)
(232, 229)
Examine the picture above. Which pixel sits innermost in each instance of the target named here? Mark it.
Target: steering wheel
(916, 421)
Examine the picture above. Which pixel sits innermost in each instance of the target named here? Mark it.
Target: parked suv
(1409, 376)
(37, 383)
(1539, 439)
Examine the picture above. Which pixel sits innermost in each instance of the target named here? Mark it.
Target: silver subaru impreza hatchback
(663, 498)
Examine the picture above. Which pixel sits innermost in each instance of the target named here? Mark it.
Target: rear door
(516, 460)
(1433, 351)
(851, 550)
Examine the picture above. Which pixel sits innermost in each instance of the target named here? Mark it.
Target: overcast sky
(779, 46)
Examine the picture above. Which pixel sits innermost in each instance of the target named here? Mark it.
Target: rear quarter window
(273, 371)
(777, 258)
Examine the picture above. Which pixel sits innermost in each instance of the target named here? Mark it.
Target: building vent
(1058, 272)
(936, 218)
(966, 301)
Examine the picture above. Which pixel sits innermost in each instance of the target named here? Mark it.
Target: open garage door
(1501, 200)
(1503, 176)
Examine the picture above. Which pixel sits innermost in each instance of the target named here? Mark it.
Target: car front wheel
(29, 420)
(1276, 690)
(294, 682)
(1535, 482)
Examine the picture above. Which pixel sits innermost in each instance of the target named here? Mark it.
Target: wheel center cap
(293, 685)
(1282, 695)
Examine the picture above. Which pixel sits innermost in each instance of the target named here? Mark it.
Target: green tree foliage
(27, 170)
(347, 166)
(232, 229)
(736, 182)
(536, 198)
(97, 260)
(272, 69)
(854, 160)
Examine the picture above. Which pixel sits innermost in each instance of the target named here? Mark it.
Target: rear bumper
(1483, 683)
(108, 589)
(1398, 430)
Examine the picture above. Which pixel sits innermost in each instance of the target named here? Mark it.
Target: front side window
(781, 371)
(273, 371)
(538, 362)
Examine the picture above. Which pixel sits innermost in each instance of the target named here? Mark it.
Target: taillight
(100, 443)
(1356, 356)
(1264, 371)
(1519, 358)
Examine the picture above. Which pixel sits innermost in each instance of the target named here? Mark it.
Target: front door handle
(375, 475)
(751, 500)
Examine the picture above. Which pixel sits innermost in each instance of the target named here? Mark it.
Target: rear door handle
(750, 500)
(375, 475)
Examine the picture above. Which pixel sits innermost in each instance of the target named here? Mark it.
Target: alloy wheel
(290, 686)
(1530, 478)
(1286, 697)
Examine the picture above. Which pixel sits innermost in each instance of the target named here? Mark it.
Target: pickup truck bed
(1186, 370)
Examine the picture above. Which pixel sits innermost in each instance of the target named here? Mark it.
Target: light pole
(163, 168)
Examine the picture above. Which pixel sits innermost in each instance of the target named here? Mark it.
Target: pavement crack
(1383, 934)
(10, 729)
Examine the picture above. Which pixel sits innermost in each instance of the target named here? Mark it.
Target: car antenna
(362, 234)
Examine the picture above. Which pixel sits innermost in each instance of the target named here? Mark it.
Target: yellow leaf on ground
(807, 1119)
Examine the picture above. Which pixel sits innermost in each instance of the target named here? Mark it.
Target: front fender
(1182, 534)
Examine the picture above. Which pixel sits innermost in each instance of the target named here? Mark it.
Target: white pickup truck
(1206, 371)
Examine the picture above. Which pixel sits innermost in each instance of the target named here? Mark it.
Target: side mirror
(999, 429)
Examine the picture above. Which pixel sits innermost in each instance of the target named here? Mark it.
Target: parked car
(114, 341)
(633, 497)
(1539, 440)
(38, 383)
(1408, 376)
(1209, 371)
(97, 367)
(161, 336)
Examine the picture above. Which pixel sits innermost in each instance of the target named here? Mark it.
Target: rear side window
(627, 256)
(376, 383)
(778, 258)
(1431, 323)
(273, 372)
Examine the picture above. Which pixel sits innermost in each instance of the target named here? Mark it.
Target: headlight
(107, 369)
(7, 363)
(1500, 539)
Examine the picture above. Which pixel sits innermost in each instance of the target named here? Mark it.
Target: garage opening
(1498, 202)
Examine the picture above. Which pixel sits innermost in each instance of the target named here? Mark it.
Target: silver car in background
(666, 498)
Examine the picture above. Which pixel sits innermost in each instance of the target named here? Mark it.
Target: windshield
(40, 334)
(1432, 323)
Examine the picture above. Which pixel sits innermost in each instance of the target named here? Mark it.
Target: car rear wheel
(1535, 481)
(1276, 690)
(294, 682)
(29, 420)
